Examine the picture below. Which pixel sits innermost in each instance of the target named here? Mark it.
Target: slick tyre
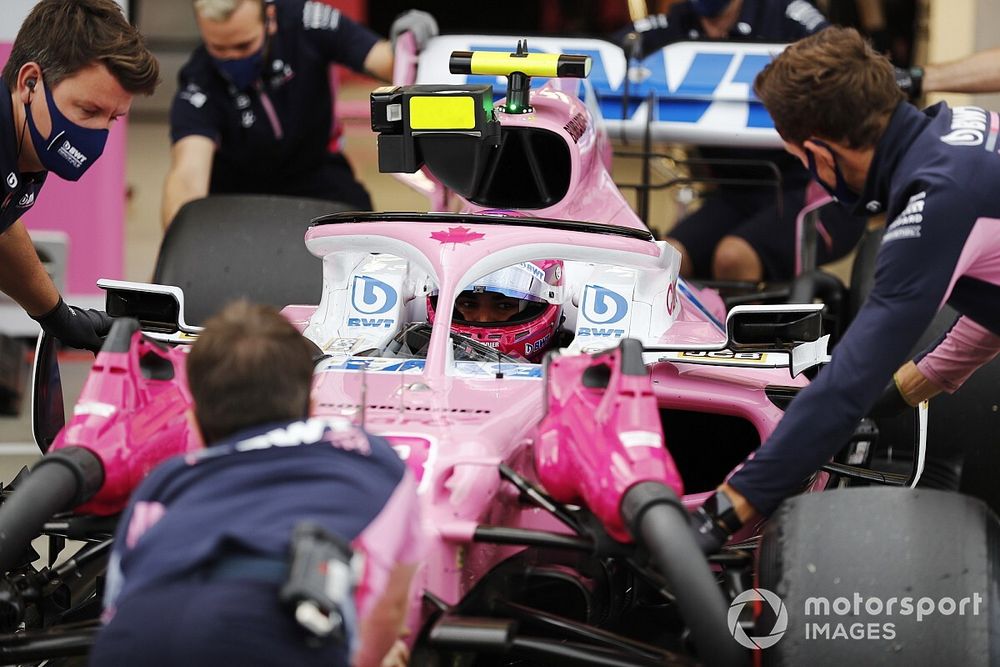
(838, 559)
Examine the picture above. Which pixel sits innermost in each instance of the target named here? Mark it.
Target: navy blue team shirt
(935, 175)
(19, 190)
(761, 20)
(246, 494)
(275, 137)
(777, 21)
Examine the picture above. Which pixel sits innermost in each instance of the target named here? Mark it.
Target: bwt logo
(601, 332)
(72, 155)
(372, 297)
(370, 322)
(603, 306)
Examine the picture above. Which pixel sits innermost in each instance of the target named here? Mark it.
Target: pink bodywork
(131, 422)
(454, 431)
(622, 416)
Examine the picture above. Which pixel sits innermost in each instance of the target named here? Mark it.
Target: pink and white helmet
(528, 334)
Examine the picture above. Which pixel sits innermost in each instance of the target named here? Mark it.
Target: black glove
(714, 522)
(890, 404)
(421, 24)
(910, 81)
(75, 326)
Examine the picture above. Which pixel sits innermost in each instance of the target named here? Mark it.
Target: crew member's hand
(75, 326)
(890, 403)
(714, 522)
(421, 24)
(910, 80)
(398, 655)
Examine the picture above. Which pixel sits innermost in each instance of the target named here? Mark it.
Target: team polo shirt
(248, 493)
(282, 127)
(778, 21)
(760, 20)
(20, 190)
(934, 174)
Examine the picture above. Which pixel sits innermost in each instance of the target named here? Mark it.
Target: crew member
(202, 551)
(747, 232)
(834, 101)
(72, 72)
(253, 111)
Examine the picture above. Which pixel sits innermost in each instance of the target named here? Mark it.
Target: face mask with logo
(241, 72)
(843, 194)
(70, 149)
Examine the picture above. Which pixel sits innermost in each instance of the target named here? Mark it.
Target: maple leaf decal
(456, 235)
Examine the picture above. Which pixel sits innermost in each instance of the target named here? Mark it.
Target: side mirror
(159, 308)
(155, 312)
(48, 415)
(774, 327)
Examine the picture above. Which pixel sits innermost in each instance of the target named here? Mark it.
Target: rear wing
(702, 91)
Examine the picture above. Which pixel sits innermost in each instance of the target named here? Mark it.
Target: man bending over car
(744, 232)
(72, 72)
(287, 541)
(934, 173)
(253, 111)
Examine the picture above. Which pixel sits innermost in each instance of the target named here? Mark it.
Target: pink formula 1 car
(554, 494)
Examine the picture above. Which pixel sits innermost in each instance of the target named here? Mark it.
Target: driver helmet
(515, 310)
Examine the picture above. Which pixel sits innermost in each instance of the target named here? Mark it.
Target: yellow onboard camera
(453, 129)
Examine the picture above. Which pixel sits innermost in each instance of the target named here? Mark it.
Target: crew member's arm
(22, 276)
(379, 61)
(944, 366)
(978, 73)
(393, 543)
(196, 123)
(381, 627)
(344, 41)
(913, 271)
(24, 279)
(950, 362)
(189, 175)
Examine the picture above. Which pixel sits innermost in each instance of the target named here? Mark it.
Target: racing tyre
(227, 247)
(882, 576)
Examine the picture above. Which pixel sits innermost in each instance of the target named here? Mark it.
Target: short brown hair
(66, 36)
(250, 366)
(831, 85)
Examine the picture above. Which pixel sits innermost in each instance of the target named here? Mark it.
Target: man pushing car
(934, 173)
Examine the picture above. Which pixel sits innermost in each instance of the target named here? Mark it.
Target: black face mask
(839, 191)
